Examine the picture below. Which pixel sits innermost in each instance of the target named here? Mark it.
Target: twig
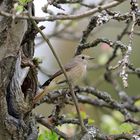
(115, 44)
(42, 120)
(65, 17)
(98, 135)
(124, 136)
(107, 98)
(126, 58)
(124, 31)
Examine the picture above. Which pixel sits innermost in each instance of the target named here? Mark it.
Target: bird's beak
(91, 58)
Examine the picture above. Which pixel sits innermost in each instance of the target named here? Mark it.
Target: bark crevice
(16, 118)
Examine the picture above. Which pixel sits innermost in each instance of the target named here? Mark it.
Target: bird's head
(83, 58)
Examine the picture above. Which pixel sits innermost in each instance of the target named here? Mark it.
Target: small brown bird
(75, 70)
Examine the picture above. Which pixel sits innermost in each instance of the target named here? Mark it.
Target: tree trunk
(18, 76)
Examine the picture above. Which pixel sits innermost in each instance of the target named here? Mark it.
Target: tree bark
(18, 76)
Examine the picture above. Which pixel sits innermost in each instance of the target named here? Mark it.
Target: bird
(75, 69)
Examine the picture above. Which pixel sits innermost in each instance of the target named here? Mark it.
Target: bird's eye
(83, 57)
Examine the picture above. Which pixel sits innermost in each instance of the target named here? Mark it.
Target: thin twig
(42, 120)
(65, 17)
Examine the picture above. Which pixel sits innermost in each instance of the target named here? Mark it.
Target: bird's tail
(42, 92)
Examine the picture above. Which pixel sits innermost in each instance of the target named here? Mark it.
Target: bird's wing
(67, 68)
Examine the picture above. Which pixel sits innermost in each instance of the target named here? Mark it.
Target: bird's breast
(77, 73)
